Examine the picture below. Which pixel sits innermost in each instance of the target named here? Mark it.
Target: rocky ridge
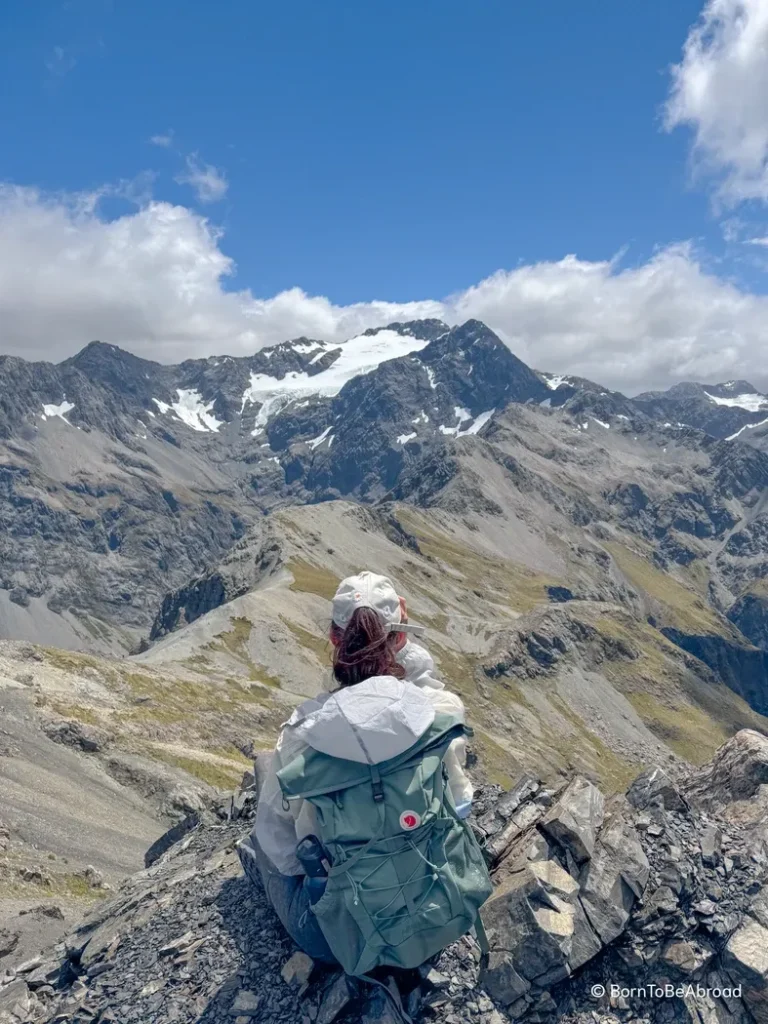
(732, 410)
(644, 908)
(122, 480)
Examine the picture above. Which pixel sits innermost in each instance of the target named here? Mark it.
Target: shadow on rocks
(255, 989)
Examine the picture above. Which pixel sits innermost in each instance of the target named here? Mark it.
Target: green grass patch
(588, 753)
(758, 588)
(499, 765)
(691, 713)
(455, 668)
(312, 579)
(230, 753)
(193, 709)
(69, 886)
(319, 646)
(699, 575)
(71, 661)
(234, 642)
(198, 662)
(684, 609)
(215, 774)
(85, 715)
(236, 639)
(691, 733)
(498, 579)
(510, 694)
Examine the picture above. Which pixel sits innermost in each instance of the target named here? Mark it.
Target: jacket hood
(368, 723)
(419, 666)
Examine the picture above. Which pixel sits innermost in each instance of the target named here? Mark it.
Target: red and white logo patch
(409, 820)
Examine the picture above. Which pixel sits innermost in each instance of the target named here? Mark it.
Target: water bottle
(311, 855)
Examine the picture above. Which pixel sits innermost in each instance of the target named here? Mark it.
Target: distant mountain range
(124, 482)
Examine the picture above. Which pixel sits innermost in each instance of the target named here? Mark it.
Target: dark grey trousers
(289, 900)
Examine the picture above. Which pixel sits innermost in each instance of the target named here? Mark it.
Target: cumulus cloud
(720, 90)
(209, 183)
(155, 281)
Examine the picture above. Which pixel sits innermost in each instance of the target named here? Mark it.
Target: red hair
(364, 649)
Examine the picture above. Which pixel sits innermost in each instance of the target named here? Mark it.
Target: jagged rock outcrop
(750, 614)
(720, 409)
(249, 562)
(735, 781)
(742, 667)
(645, 907)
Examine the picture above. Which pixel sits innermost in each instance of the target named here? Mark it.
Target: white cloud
(61, 62)
(164, 140)
(154, 280)
(720, 90)
(210, 183)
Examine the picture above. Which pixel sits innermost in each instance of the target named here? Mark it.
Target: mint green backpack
(407, 875)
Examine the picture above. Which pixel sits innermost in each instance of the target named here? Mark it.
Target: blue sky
(372, 153)
(372, 150)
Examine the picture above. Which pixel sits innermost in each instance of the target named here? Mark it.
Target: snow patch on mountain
(190, 409)
(751, 402)
(59, 411)
(356, 357)
(319, 355)
(554, 380)
(747, 426)
(462, 415)
(405, 438)
(478, 425)
(319, 439)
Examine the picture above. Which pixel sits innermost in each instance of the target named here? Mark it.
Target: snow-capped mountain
(130, 475)
(722, 410)
(121, 478)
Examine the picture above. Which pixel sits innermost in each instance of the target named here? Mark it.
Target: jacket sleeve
(275, 828)
(461, 788)
(455, 758)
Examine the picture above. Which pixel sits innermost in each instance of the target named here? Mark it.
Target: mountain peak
(426, 330)
(99, 354)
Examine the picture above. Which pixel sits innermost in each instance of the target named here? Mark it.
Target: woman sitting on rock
(359, 840)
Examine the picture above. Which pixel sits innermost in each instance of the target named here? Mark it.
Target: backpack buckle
(378, 791)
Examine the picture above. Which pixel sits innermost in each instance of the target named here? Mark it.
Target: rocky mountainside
(645, 907)
(122, 479)
(732, 410)
(557, 663)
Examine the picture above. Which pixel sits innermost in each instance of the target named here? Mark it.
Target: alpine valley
(591, 570)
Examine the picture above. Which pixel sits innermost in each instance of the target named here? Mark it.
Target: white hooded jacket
(369, 723)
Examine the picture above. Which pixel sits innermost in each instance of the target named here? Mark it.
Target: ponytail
(364, 649)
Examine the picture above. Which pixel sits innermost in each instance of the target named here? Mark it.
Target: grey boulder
(574, 820)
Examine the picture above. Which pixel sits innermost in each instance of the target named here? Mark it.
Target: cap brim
(405, 627)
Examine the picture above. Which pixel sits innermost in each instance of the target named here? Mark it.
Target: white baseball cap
(369, 590)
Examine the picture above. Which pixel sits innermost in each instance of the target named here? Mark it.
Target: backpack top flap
(312, 773)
